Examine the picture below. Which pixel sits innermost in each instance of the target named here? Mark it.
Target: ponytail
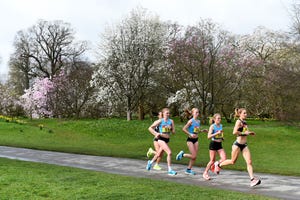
(213, 118)
(238, 111)
(188, 113)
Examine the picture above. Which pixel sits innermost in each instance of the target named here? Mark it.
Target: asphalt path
(281, 187)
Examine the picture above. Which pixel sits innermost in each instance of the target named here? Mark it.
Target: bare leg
(247, 157)
(234, 155)
(212, 156)
(193, 148)
(164, 146)
(222, 154)
(156, 146)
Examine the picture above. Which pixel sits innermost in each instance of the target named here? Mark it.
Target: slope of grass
(275, 148)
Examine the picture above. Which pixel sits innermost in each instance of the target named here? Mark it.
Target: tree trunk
(129, 114)
(141, 112)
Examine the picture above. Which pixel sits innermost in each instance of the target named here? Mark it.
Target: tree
(264, 45)
(35, 101)
(43, 50)
(205, 60)
(72, 91)
(9, 101)
(131, 52)
(20, 69)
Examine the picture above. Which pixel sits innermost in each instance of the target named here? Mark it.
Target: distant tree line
(145, 64)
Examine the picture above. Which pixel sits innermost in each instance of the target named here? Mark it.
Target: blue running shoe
(172, 173)
(190, 172)
(149, 165)
(179, 155)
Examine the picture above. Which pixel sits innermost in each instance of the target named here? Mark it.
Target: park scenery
(57, 100)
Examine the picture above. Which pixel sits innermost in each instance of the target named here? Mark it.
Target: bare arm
(186, 126)
(152, 128)
(238, 124)
(211, 134)
(173, 127)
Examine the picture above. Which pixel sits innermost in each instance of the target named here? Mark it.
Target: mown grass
(26, 180)
(275, 148)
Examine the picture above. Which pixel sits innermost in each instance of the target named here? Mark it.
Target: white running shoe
(254, 182)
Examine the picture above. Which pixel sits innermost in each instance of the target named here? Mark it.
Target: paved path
(282, 187)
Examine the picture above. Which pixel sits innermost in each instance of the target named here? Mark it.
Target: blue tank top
(165, 126)
(216, 129)
(194, 128)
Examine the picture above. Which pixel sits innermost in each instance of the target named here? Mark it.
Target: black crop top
(244, 124)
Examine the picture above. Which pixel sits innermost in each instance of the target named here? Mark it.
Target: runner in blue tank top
(191, 129)
(166, 127)
(215, 133)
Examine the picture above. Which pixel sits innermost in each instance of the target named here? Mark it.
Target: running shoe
(149, 165)
(217, 168)
(179, 155)
(254, 182)
(190, 172)
(206, 176)
(156, 167)
(150, 152)
(172, 173)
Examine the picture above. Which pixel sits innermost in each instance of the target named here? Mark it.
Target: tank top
(216, 129)
(244, 128)
(165, 126)
(194, 128)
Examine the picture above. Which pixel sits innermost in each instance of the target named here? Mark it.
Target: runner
(240, 145)
(166, 127)
(156, 147)
(215, 133)
(191, 129)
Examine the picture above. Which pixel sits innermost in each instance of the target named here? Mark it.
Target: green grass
(26, 180)
(275, 148)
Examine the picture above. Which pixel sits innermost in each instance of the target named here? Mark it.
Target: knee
(194, 157)
(233, 162)
(249, 162)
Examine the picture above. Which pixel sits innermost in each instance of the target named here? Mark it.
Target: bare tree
(44, 49)
(205, 61)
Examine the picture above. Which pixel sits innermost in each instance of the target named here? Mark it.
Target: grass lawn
(275, 148)
(26, 180)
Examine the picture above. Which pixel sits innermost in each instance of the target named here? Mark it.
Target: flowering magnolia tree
(131, 53)
(9, 101)
(35, 101)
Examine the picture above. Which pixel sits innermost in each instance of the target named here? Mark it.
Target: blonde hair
(160, 115)
(212, 120)
(164, 110)
(193, 110)
(238, 111)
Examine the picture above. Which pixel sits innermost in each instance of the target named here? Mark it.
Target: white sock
(170, 169)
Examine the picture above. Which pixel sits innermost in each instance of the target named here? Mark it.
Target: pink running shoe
(217, 168)
(254, 182)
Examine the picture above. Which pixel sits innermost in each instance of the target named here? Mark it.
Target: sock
(169, 168)
(251, 179)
